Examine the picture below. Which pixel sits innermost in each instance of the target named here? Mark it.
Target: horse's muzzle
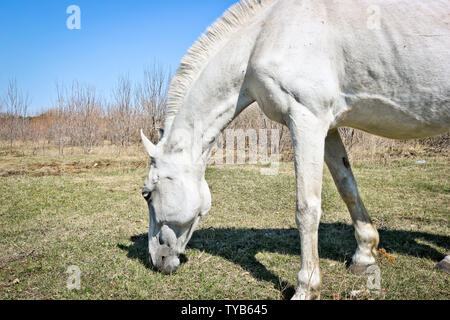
(165, 263)
(163, 253)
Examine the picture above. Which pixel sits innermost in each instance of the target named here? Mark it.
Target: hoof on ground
(444, 266)
(302, 295)
(358, 269)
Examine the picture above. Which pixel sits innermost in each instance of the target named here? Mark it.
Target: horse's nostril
(170, 264)
(146, 194)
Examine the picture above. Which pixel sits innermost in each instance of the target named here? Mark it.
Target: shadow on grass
(336, 242)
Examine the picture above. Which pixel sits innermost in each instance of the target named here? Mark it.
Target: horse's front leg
(308, 136)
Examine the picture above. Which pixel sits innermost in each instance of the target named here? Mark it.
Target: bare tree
(16, 109)
(60, 119)
(120, 113)
(151, 99)
(86, 111)
(141, 106)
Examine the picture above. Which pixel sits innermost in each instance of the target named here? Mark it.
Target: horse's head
(178, 197)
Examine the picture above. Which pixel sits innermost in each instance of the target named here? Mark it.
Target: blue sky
(117, 37)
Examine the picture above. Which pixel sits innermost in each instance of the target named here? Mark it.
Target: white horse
(381, 66)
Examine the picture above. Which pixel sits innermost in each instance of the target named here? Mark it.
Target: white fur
(313, 66)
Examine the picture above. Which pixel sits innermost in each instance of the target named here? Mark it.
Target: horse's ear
(149, 146)
(161, 134)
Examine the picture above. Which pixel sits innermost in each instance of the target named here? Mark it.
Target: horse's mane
(205, 47)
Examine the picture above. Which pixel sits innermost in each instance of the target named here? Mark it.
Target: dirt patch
(4, 261)
(35, 170)
(13, 153)
(59, 168)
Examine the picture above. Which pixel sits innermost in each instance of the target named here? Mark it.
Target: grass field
(87, 211)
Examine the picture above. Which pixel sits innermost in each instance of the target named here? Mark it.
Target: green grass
(57, 212)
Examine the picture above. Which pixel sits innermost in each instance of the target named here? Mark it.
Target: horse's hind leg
(365, 232)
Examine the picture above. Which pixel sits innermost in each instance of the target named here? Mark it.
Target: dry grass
(56, 212)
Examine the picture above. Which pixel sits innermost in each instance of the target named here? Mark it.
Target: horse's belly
(382, 116)
(402, 97)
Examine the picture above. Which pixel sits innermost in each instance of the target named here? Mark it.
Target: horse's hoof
(358, 269)
(444, 266)
(298, 297)
(302, 295)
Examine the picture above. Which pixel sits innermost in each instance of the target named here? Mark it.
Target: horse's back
(390, 60)
(394, 66)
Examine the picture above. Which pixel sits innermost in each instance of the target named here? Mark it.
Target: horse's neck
(217, 97)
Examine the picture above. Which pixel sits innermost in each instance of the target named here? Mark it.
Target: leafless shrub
(15, 122)
(86, 113)
(76, 119)
(151, 99)
(60, 120)
(363, 145)
(120, 114)
(137, 107)
(80, 118)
